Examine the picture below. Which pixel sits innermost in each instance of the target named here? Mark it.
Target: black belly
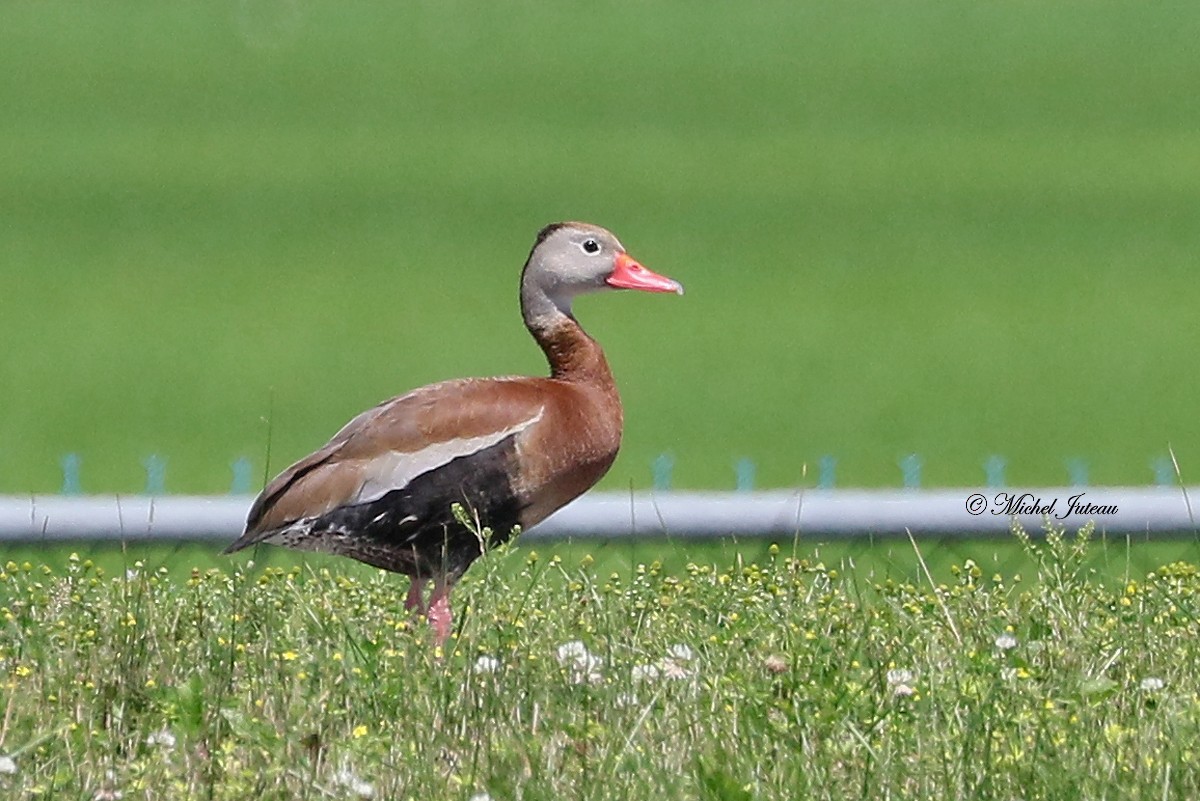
(414, 530)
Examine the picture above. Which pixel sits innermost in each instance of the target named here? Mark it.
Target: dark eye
(590, 246)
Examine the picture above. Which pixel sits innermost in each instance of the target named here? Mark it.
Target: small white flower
(899, 681)
(644, 672)
(584, 667)
(681, 653)
(588, 672)
(572, 652)
(7, 766)
(677, 664)
(775, 663)
(346, 778)
(163, 738)
(1006, 642)
(481, 797)
(107, 793)
(676, 669)
(1152, 684)
(487, 664)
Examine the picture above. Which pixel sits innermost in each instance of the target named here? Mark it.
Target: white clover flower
(1152, 684)
(486, 664)
(681, 652)
(775, 663)
(675, 669)
(162, 738)
(347, 778)
(572, 652)
(899, 681)
(584, 666)
(8, 767)
(108, 793)
(677, 664)
(644, 672)
(1006, 642)
(588, 672)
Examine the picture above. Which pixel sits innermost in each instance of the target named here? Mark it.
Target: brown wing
(385, 447)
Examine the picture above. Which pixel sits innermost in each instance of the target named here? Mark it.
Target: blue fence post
(1164, 471)
(993, 469)
(827, 469)
(156, 474)
(70, 471)
(911, 467)
(241, 476)
(1077, 469)
(745, 471)
(662, 468)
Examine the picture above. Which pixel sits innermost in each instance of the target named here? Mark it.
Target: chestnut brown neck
(573, 355)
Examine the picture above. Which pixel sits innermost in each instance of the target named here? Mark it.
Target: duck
(426, 482)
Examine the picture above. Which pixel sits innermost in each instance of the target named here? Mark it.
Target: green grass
(905, 226)
(780, 677)
(1114, 558)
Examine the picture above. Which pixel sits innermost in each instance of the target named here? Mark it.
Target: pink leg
(439, 611)
(415, 600)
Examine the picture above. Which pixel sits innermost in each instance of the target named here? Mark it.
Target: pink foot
(439, 613)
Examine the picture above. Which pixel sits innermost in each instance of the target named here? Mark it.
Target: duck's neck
(573, 355)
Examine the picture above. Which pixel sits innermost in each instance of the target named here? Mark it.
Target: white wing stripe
(395, 469)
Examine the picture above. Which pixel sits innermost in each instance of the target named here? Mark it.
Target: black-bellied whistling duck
(508, 450)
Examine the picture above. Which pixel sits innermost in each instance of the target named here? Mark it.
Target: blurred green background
(955, 229)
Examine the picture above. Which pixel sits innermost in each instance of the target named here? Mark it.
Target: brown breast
(568, 450)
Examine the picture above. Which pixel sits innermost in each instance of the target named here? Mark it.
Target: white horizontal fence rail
(828, 513)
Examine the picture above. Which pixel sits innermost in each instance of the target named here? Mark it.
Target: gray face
(573, 259)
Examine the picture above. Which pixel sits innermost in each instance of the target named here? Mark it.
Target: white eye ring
(590, 246)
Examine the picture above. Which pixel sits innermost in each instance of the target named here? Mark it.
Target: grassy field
(777, 678)
(954, 229)
(1113, 558)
